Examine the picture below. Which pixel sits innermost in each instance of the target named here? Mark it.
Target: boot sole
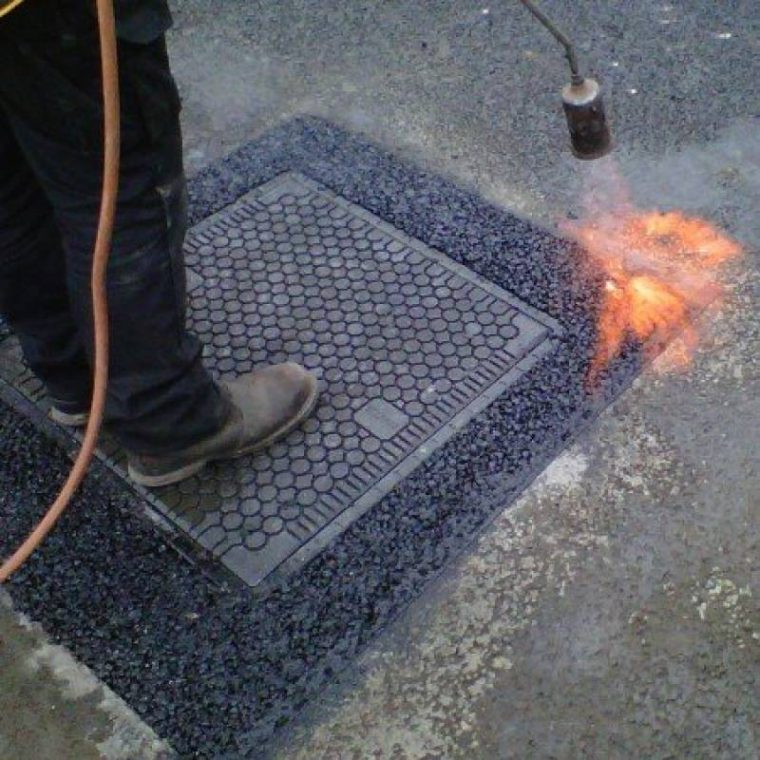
(182, 473)
(79, 420)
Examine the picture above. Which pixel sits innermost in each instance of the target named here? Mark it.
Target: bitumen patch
(211, 665)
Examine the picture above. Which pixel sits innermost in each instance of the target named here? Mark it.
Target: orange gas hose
(112, 140)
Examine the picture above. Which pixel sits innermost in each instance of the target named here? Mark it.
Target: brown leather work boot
(266, 405)
(71, 414)
(69, 418)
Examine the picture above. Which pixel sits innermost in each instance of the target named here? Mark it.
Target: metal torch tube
(560, 36)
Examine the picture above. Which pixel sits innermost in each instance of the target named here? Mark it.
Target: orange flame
(661, 269)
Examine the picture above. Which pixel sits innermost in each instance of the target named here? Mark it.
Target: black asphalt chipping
(214, 668)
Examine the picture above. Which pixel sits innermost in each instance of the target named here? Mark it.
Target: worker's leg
(160, 396)
(33, 296)
(161, 403)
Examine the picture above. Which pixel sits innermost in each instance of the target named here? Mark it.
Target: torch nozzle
(589, 134)
(586, 120)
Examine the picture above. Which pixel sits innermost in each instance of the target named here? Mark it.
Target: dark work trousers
(160, 396)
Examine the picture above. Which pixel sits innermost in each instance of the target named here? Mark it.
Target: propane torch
(581, 99)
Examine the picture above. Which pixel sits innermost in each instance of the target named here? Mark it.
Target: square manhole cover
(408, 345)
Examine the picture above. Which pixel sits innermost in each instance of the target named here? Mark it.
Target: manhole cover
(408, 344)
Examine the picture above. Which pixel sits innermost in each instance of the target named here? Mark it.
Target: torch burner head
(586, 120)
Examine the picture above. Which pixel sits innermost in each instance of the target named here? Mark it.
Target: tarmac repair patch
(432, 365)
